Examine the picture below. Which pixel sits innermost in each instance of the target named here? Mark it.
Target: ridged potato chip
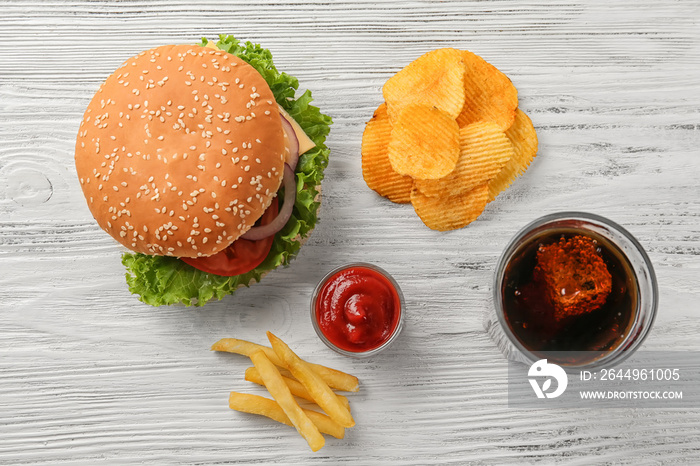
(424, 143)
(489, 94)
(450, 212)
(457, 138)
(433, 79)
(376, 169)
(483, 151)
(523, 137)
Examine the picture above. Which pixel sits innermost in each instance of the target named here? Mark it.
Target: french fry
(319, 390)
(279, 391)
(246, 348)
(297, 389)
(255, 404)
(334, 378)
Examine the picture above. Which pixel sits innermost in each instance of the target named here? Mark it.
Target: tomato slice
(242, 255)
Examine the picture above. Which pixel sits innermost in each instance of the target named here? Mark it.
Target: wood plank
(87, 373)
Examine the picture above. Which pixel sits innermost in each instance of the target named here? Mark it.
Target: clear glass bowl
(397, 328)
(643, 277)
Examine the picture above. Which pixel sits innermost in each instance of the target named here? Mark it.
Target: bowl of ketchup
(357, 309)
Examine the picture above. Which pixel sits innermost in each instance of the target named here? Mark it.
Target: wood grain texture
(89, 374)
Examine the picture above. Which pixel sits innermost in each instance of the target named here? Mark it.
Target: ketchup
(358, 309)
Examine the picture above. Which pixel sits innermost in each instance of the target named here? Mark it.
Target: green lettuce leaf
(160, 280)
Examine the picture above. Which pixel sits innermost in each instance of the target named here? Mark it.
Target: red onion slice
(290, 195)
(293, 156)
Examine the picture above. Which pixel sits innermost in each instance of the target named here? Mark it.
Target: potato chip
(433, 79)
(453, 212)
(376, 169)
(424, 143)
(484, 150)
(489, 94)
(523, 138)
(449, 184)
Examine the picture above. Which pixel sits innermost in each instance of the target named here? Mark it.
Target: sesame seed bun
(180, 151)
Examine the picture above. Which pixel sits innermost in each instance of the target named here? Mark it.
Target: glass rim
(331, 345)
(626, 348)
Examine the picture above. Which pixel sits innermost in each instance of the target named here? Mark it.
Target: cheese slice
(305, 143)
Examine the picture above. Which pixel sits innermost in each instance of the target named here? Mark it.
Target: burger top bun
(180, 151)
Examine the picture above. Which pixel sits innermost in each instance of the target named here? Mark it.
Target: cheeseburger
(203, 162)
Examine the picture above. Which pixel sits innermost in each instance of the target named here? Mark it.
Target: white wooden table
(88, 374)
